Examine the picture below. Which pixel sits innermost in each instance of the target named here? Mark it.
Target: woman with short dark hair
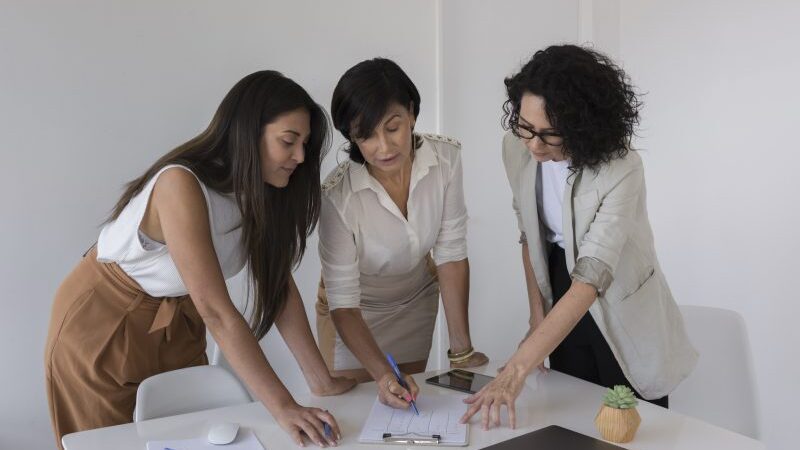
(601, 307)
(245, 190)
(398, 200)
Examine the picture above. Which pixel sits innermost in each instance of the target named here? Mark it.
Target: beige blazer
(605, 221)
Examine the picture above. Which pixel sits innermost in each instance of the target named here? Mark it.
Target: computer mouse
(222, 433)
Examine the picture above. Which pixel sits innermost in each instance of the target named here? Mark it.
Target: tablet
(460, 380)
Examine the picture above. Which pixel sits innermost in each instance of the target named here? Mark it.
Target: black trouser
(584, 353)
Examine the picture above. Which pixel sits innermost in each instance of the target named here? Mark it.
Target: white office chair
(280, 358)
(187, 390)
(721, 390)
(215, 356)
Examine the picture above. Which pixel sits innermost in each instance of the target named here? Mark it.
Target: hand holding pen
(396, 389)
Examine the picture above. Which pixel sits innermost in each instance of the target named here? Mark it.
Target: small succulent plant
(621, 397)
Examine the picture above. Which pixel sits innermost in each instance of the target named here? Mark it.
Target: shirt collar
(424, 158)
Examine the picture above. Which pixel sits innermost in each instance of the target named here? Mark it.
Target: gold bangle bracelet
(462, 358)
(460, 354)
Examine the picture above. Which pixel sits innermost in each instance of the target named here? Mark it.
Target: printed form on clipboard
(437, 423)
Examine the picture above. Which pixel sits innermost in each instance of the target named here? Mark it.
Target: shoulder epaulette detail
(440, 138)
(335, 176)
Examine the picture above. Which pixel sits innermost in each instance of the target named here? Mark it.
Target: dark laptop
(554, 438)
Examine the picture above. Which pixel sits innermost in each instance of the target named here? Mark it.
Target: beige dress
(375, 259)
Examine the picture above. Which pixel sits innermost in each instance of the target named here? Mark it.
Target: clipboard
(412, 439)
(437, 424)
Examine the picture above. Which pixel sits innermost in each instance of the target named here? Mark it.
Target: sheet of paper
(438, 414)
(245, 440)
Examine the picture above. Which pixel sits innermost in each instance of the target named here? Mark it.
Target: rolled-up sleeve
(599, 250)
(451, 243)
(339, 258)
(593, 271)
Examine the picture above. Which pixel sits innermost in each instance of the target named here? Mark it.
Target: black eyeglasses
(548, 137)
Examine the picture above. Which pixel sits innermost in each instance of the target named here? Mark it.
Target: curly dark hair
(588, 99)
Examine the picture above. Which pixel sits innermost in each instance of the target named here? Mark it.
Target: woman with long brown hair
(246, 190)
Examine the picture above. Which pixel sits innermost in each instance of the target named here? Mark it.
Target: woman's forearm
(356, 335)
(247, 359)
(554, 328)
(454, 286)
(293, 325)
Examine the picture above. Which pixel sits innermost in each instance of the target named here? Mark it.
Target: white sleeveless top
(148, 262)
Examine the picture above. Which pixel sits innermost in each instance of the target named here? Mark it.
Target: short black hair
(363, 95)
(588, 99)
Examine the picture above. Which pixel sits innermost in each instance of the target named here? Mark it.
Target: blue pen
(400, 380)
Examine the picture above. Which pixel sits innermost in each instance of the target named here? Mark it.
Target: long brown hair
(275, 221)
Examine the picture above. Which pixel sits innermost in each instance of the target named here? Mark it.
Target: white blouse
(550, 188)
(148, 262)
(361, 229)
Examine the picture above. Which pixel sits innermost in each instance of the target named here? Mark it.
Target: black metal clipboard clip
(412, 439)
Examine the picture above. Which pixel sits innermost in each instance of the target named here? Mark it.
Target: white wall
(720, 137)
(92, 92)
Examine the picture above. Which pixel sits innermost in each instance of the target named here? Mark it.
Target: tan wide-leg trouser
(106, 335)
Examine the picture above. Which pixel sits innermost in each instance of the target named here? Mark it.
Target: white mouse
(222, 433)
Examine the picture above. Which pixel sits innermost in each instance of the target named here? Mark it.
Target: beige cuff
(593, 271)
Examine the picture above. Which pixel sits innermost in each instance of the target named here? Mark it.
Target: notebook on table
(555, 438)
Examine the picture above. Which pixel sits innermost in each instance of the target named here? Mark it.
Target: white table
(548, 399)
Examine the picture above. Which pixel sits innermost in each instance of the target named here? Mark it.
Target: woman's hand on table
(503, 390)
(297, 420)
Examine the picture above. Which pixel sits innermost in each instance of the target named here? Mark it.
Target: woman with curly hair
(600, 305)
